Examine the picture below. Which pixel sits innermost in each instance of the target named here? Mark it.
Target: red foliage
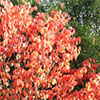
(37, 1)
(35, 55)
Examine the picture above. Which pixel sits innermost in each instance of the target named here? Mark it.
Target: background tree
(86, 18)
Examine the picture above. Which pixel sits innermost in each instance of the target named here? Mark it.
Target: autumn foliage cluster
(35, 55)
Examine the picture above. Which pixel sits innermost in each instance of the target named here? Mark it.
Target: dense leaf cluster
(35, 55)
